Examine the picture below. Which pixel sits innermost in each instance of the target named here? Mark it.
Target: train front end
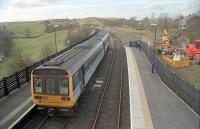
(51, 88)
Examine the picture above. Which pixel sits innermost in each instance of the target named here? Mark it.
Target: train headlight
(64, 98)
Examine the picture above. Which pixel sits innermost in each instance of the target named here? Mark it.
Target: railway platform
(167, 110)
(14, 105)
(139, 110)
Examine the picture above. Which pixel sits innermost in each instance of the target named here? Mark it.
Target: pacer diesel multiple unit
(59, 82)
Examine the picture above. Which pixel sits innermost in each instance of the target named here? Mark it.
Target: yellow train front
(59, 82)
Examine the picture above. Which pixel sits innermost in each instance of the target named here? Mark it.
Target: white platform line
(14, 112)
(136, 108)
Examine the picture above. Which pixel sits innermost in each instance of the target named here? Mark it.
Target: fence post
(17, 79)
(27, 74)
(6, 92)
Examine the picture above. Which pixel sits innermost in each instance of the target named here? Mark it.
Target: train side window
(76, 80)
(86, 67)
(50, 86)
(63, 86)
(38, 85)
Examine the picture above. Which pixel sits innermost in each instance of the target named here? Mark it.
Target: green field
(32, 48)
(19, 28)
(62, 22)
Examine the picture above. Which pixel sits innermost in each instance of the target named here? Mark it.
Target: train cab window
(50, 86)
(38, 85)
(63, 86)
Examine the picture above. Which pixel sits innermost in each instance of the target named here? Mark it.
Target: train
(58, 83)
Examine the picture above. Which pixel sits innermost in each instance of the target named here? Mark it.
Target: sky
(31, 10)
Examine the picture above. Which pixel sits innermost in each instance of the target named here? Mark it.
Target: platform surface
(139, 111)
(14, 105)
(167, 110)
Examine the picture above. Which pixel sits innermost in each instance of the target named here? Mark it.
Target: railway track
(58, 122)
(108, 114)
(97, 105)
(114, 80)
(43, 122)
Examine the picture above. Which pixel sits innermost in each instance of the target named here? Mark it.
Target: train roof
(73, 59)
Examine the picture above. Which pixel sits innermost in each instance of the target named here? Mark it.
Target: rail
(19, 78)
(104, 91)
(108, 78)
(43, 122)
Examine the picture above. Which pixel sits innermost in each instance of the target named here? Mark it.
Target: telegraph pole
(55, 27)
(154, 25)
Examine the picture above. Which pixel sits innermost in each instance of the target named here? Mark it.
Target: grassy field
(19, 28)
(32, 48)
(191, 73)
(147, 35)
(61, 22)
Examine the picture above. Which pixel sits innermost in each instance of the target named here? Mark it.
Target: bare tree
(163, 21)
(46, 51)
(18, 62)
(193, 27)
(146, 23)
(74, 35)
(133, 22)
(5, 42)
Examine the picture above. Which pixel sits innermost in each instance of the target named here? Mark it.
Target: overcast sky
(25, 10)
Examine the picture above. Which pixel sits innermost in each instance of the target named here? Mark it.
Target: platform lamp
(55, 28)
(68, 34)
(140, 28)
(79, 29)
(155, 28)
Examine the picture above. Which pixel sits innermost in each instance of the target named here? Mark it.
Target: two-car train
(59, 82)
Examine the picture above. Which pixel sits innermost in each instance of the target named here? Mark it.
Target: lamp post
(140, 31)
(154, 25)
(55, 27)
(68, 41)
(91, 28)
(79, 29)
(140, 41)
